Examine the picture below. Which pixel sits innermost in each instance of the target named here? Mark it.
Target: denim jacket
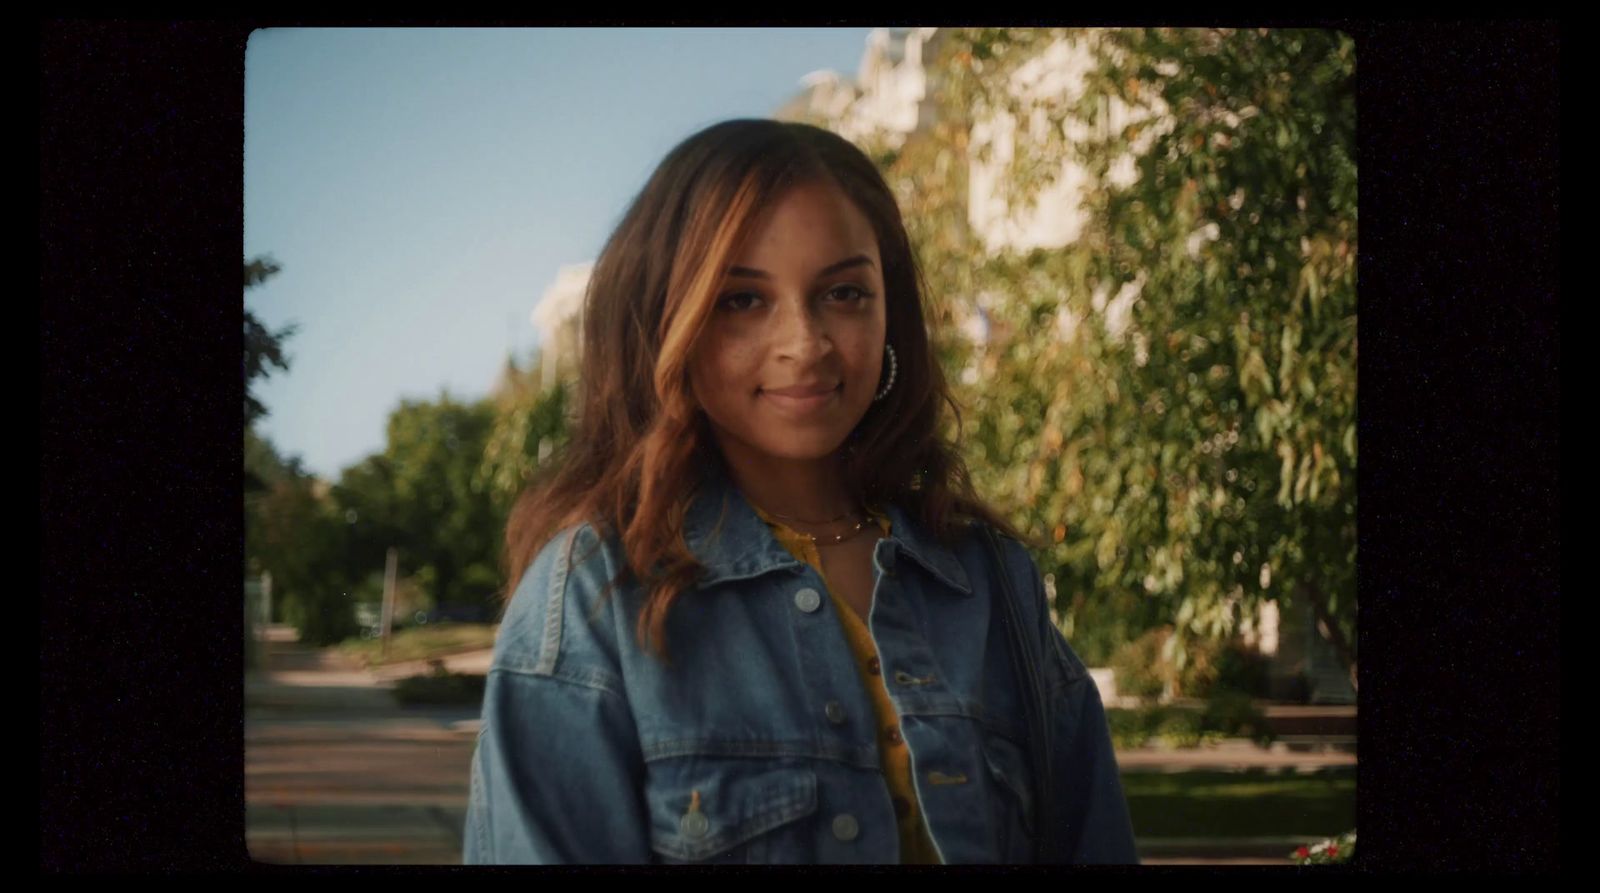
(759, 743)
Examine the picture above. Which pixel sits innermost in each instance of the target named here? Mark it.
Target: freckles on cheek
(727, 380)
(738, 371)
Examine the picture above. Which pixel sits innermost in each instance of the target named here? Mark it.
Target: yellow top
(916, 847)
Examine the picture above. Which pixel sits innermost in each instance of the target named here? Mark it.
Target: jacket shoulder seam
(583, 678)
(555, 608)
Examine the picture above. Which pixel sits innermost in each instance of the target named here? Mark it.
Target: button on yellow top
(916, 847)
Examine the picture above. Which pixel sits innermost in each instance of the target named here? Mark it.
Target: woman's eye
(744, 300)
(850, 293)
(732, 301)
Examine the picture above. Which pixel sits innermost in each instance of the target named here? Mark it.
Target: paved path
(337, 772)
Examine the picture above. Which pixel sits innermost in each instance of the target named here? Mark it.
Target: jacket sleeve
(1090, 804)
(1094, 808)
(557, 773)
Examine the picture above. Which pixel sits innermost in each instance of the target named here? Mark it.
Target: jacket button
(873, 666)
(835, 711)
(894, 735)
(694, 825)
(807, 600)
(845, 827)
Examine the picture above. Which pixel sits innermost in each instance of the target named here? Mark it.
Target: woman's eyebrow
(858, 260)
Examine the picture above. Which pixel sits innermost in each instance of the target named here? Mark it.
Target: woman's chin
(798, 449)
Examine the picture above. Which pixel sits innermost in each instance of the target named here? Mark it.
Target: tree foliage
(526, 416)
(422, 495)
(326, 546)
(294, 532)
(1188, 444)
(263, 348)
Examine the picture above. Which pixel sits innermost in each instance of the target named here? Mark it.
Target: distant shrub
(441, 687)
(1179, 727)
(1210, 668)
(1241, 669)
(1176, 726)
(1128, 728)
(1224, 715)
(1138, 666)
(1234, 715)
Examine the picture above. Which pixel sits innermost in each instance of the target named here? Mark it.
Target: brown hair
(640, 442)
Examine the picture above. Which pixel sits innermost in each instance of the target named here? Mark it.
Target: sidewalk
(338, 772)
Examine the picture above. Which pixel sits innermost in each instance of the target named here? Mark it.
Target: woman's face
(801, 310)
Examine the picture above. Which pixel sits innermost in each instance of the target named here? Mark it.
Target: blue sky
(421, 187)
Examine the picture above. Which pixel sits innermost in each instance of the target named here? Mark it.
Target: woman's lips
(802, 405)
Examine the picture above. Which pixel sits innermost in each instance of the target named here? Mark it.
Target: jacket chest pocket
(731, 811)
(1011, 800)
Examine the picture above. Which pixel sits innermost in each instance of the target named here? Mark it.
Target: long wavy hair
(641, 443)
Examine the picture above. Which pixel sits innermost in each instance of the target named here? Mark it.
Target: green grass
(1251, 803)
(423, 642)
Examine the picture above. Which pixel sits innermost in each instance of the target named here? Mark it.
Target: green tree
(295, 531)
(326, 545)
(1189, 443)
(262, 349)
(292, 529)
(524, 418)
(267, 469)
(424, 496)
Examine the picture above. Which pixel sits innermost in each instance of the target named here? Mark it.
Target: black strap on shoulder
(1026, 665)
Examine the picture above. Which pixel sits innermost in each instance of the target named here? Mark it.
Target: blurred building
(890, 98)
(510, 384)
(558, 316)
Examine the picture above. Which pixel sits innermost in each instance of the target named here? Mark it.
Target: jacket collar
(733, 543)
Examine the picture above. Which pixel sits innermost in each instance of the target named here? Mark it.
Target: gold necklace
(833, 540)
(804, 521)
(860, 525)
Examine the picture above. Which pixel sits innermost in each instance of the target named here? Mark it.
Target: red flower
(1300, 853)
(1333, 850)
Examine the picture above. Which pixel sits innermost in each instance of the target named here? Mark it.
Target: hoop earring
(893, 368)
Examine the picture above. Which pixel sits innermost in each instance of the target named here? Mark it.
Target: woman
(756, 479)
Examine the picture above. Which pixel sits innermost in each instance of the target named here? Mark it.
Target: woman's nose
(800, 333)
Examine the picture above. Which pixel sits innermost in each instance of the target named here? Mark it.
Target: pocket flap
(710, 809)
